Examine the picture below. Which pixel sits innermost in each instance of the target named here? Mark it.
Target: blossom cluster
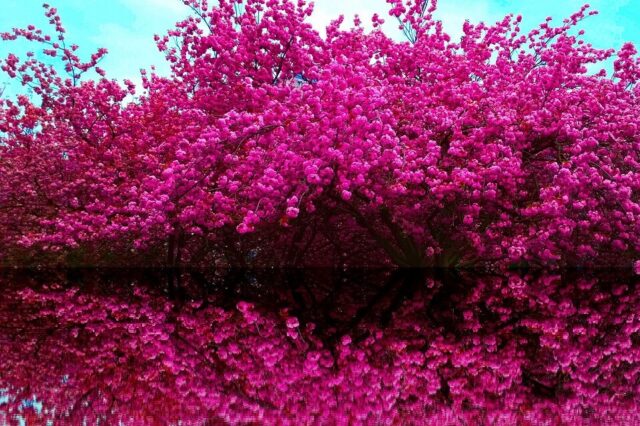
(502, 147)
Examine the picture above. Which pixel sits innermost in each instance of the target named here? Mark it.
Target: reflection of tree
(325, 345)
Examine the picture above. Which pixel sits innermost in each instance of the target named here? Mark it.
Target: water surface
(318, 347)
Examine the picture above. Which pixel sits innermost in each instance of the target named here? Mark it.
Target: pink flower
(244, 307)
(292, 212)
(292, 322)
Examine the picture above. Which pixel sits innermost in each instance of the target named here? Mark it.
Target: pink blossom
(499, 148)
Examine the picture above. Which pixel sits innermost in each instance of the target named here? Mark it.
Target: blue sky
(126, 27)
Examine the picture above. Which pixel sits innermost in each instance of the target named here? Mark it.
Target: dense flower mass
(268, 144)
(490, 350)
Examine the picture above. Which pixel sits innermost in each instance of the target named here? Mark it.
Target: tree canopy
(269, 144)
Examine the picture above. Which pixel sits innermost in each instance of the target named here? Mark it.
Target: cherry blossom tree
(268, 144)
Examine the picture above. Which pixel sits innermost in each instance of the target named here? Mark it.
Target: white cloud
(129, 50)
(132, 47)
